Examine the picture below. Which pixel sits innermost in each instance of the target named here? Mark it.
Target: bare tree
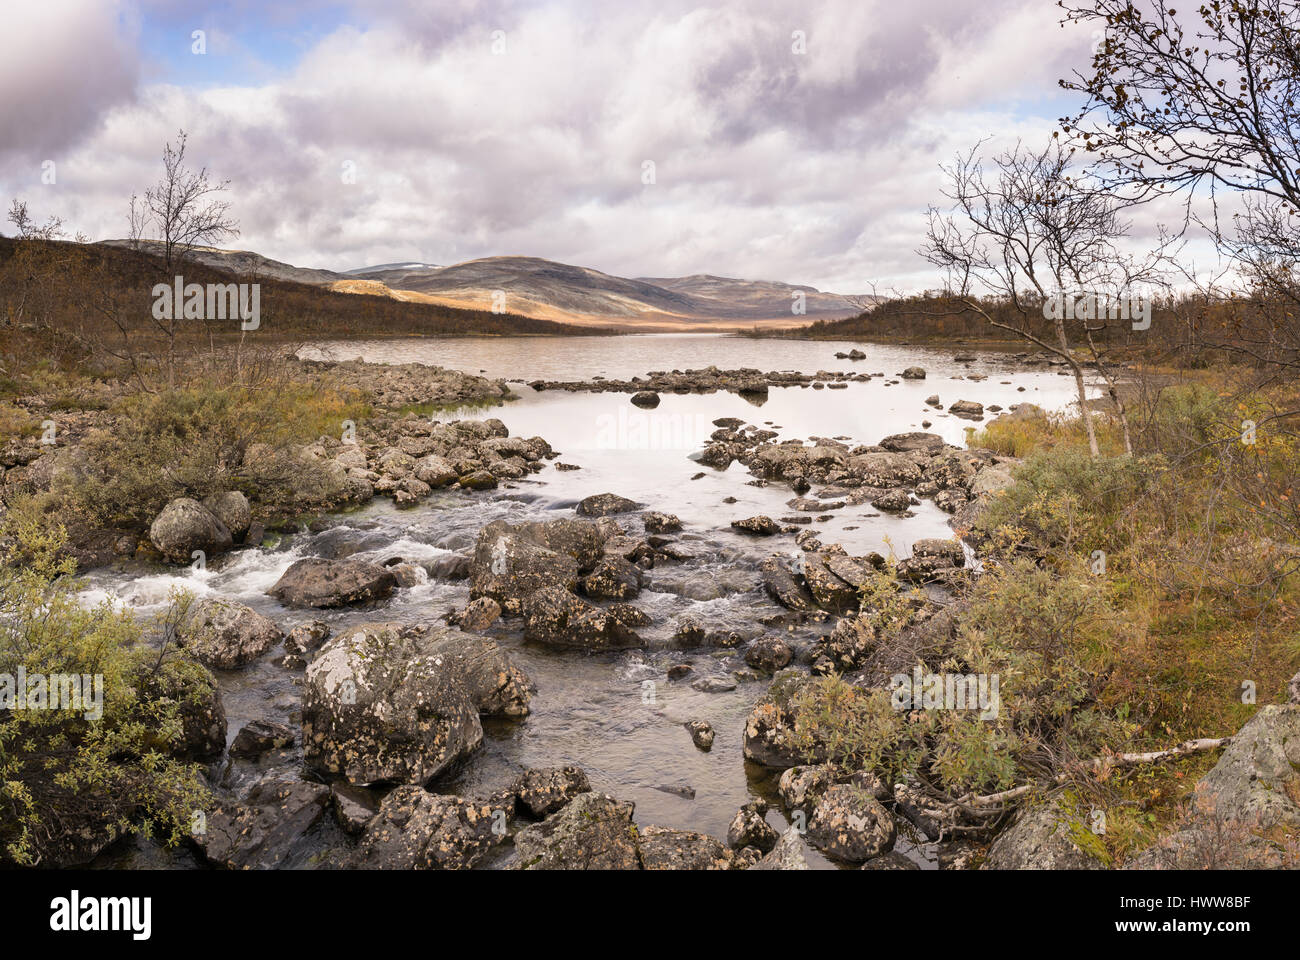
(1026, 233)
(182, 211)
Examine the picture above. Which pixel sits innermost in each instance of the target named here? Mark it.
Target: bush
(73, 780)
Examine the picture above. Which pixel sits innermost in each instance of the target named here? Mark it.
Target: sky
(768, 139)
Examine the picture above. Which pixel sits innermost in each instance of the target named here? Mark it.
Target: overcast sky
(812, 167)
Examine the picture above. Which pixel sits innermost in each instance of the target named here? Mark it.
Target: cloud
(808, 167)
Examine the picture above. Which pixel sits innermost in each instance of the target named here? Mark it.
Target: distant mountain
(244, 263)
(547, 290)
(559, 291)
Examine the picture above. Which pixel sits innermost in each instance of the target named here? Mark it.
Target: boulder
(612, 579)
(646, 398)
(592, 832)
(605, 505)
(508, 567)
(434, 471)
(542, 791)
(260, 736)
(226, 635)
(790, 853)
(232, 509)
(758, 526)
(479, 614)
(558, 618)
(190, 685)
(418, 830)
(800, 787)
(184, 526)
(266, 830)
(849, 824)
(380, 706)
(748, 828)
(927, 443)
(661, 522)
(967, 409)
(769, 729)
(768, 654)
(1041, 837)
(665, 849)
(316, 582)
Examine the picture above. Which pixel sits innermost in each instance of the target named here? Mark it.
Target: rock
(665, 849)
(701, 733)
(914, 373)
(884, 469)
(714, 685)
(306, 637)
(680, 671)
(851, 825)
(592, 832)
(830, 591)
(418, 830)
(894, 501)
(605, 505)
(800, 787)
(260, 736)
(542, 791)
(478, 480)
(759, 526)
(509, 567)
(184, 526)
(790, 853)
(689, 633)
(646, 398)
(957, 855)
(927, 443)
(558, 618)
(382, 704)
(783, 587)
(768, 654)
(661, 522)
(315, 582)
(968, 409)
(435, 471)
(479, 614)
(748, 828)
(1041, 838)
(612, 579)
(991, 481)
(1257, 778)
(930, 556)
(267, 830)
(232, 509)
(890, 861)
(354, 807)
(769, 730)
(1293, 689)
(226, 635)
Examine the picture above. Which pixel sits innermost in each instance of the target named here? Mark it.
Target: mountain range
(548, 290)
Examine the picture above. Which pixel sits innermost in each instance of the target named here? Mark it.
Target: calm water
(590, 710)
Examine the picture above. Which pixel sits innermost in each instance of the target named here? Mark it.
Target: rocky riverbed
(499, 644)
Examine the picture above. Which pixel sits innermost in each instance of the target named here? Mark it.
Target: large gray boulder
(316, 582)
(267, 829)
(184, 526)
(849, 824)
(226, 635)
(790, 853)
(510, 563)
(383, 704)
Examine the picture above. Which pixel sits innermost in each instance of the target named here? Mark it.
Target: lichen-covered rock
(321, 583)
(851, 825)
(966, 408)
(768, 654)
(790, 853)
(769, 730)
(784, 587)
(701, 732)
(748, 828)
(1043, 836)
(558, 618)
(592, 832)
(380, 705)
(661, 522)
(185, 526)
(542, 791)
(267, 829)
(226, 635)
(435, 471)
(612, 579)
(759, 526)
(479, 614)
(510, 563)
(800, 787)
(665, 849)
(418, 830)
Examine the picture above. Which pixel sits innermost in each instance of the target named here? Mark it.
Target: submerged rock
(266, 830)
